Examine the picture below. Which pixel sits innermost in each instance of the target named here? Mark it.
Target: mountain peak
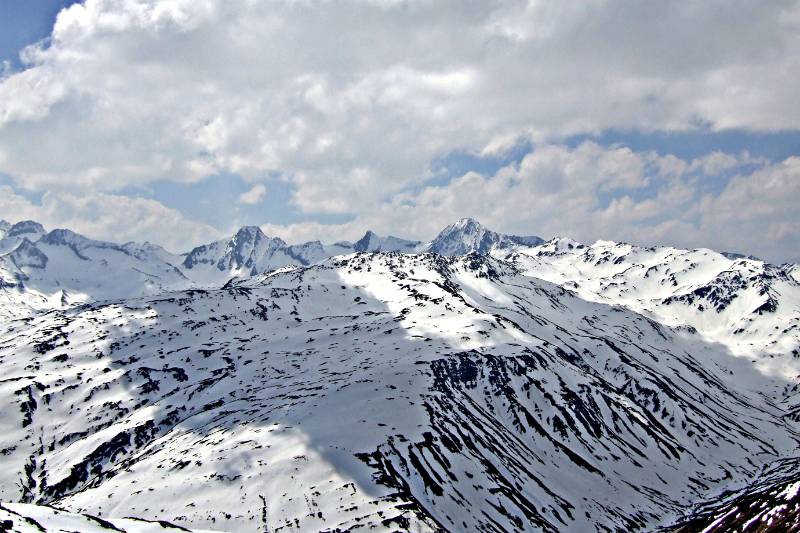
(249, 232)
(468, 224)
(62, 236)
(470, 236)
(26, 254)
(363, 244)
(372, 242)
(25, 227)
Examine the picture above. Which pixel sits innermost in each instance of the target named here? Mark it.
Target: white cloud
(557, 190)
(554, 190)
(109, 217)
(349, 102)
(329, 92)
(254, 195)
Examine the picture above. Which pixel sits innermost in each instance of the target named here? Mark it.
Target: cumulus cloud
(590, 192)
(350, 102)
(254, 195)
(586, 192)
(109, 217)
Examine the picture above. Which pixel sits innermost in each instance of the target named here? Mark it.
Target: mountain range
(62, 266)
(476, 382)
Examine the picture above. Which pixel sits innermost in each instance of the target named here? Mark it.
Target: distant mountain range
(61, 265)
(477, 382)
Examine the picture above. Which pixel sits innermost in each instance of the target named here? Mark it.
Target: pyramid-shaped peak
(372, 242)
(364, 243)
(249, 232)
(469, 223)
(254, 234)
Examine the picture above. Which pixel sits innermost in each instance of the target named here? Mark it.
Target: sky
(177, 121)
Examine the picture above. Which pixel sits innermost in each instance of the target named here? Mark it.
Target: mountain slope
(62, 268)
(751, 307)
(386, 391)
(250, 252)
(371, 242)
(770, 504)
(469, 236)
(27, 518)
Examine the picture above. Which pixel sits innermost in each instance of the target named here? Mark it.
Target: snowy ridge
(751, 307)
(83, 268)
(253, 385)
(382, 390)
(61, 268)
(469, 236)
(771, 503)
(250, 252)
(371, 242)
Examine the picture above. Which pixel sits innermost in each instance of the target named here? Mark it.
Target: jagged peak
(246, 231)
(468, 235)
(362, 244)
(467, 224)
(372, 242)
(255, 234)
(25, 227)
(27, 254)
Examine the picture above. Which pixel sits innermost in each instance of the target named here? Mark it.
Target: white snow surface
(29, 518)
(749, 306)
(554, 387)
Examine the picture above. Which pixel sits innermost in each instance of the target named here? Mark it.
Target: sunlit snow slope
(478, 382)
(381, 391)
(749, 306)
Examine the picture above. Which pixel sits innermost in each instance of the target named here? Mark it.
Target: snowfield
(479, 382)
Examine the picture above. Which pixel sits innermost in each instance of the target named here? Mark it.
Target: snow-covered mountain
(469, 236)
(749, 306)
(247, 253)
(43, 270)
(250, 252)
(61, 268)
(522, 386)
(30, 518)
(372, 242)
(391, 391)
(771, 503)
(12, 235)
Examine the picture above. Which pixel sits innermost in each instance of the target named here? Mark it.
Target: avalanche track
(379, 391)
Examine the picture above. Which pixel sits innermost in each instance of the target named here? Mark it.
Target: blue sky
(321, 121)
(23, 22)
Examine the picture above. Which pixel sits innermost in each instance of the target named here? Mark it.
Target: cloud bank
(350, 103)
